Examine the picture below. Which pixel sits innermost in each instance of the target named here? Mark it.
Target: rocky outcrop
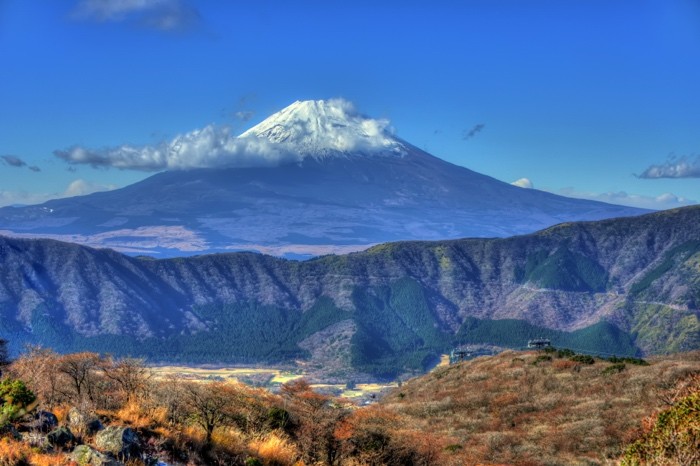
(61, 437)
(83, 421)
(122, 442)
(85, 455)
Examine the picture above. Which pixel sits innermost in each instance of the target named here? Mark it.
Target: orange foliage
(17, 453)
(13, 453)
(564, 364)
(275, 450)
(132, 414)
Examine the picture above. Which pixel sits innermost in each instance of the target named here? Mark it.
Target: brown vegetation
(514, 408)
(190, 423)
(524, 409)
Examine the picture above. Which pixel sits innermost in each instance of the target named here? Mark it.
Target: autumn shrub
(38, 368)
(313, 420)
(673, 435)
(541, 358)
(582, 358)
(375, 435)
(615, 368)
(274, 450)
(563, 364)
(565, 353)
(14, 453)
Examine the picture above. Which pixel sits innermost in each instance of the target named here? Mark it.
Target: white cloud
(243, 115)
(208, 147)
(163, 15)
(523, 183)
(81, 187)
(675, 167)
(661, 202)
(22, 198)
(77, 187)
(306, 128)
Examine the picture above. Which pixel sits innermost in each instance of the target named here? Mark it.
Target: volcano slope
(312, 179)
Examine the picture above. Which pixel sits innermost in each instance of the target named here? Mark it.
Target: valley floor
(273, 378)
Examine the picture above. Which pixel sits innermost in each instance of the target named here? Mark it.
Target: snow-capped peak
(324, 127)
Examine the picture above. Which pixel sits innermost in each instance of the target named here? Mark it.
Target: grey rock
(122, 442)
(83, 422)
(61, 437)
(87, 456)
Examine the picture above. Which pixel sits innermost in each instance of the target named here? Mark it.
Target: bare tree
(80, 371)
(210, 406)
(315, 417)
(129, 375)
(38, 368)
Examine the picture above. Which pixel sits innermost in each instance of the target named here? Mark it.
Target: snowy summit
(324, 127)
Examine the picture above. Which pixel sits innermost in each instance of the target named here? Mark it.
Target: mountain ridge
(638, 277)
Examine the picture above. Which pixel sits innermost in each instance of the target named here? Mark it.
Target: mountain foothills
(312, 179)
(627, 286)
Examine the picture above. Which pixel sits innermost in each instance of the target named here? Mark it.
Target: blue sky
(596, 99)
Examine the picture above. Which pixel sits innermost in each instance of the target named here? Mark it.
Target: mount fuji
(312, 179)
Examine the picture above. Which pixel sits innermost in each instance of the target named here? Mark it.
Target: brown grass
(505, 409)
(133, 415)
(274, 450)
(17, 453)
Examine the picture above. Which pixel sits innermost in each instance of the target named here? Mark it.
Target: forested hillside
(624, 286)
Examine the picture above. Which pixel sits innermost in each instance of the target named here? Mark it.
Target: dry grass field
(271, 378)
(530, 408)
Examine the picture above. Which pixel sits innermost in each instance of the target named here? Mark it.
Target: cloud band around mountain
(675, 167)
(209, 147)
(274, 142)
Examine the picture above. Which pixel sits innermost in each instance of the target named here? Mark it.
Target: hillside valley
(627, 286)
